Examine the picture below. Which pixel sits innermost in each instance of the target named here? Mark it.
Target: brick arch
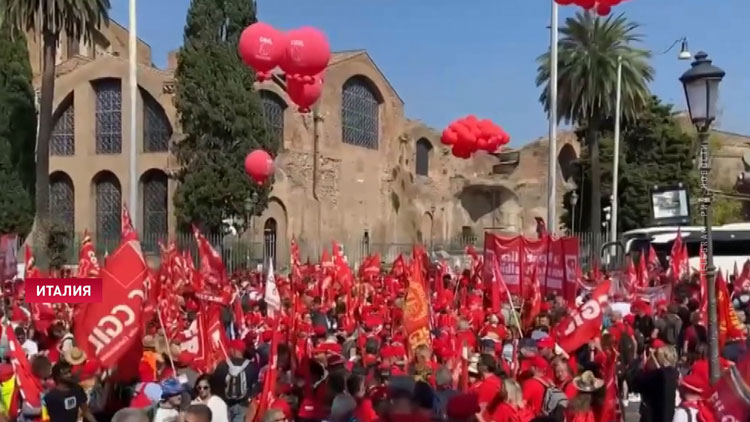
(275, 215)
(62, 199)
(107, 192)
(150, 80)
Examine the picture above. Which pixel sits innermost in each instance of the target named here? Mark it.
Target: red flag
(731, 396)
(270, 374)
(416, 312)
(88, 265)
(675, 256)
(127, 231)
(533, 305)
(31, 386)
(31, 270)
(498, 285)
(212, 269)
(642, 271)
(585, 323)
(730, 327)
(611, 410)
(631, 277)
(107, 329)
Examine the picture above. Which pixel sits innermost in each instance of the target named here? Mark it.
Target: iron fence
(240, 253)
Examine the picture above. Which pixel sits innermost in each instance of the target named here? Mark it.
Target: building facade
(356, 170)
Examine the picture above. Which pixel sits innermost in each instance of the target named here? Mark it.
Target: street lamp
(573, 202)
(683, 55)
(701, 84)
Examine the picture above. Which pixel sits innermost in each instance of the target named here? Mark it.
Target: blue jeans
(237, 413)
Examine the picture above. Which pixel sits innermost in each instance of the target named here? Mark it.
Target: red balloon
(586, 4)
(564, 2)
(449, 137)
(259, 165)
(304, 94)
(262, 47)
(603, 9)
(307, 54)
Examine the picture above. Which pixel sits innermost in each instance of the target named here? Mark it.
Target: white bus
(731, 243)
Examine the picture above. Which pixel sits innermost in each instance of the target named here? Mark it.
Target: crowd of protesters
(479, 365)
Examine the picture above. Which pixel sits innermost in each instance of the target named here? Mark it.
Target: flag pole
(133, 85)
(552, 159)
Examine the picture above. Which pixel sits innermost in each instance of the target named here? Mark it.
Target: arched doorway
(269, 241)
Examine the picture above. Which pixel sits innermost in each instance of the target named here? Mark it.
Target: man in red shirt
(489, 384)
(533, 388)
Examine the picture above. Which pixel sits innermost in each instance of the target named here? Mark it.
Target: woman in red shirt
(508, 405)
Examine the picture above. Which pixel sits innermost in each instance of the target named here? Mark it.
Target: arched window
(108, 116)
(108, 209)
(422, 163)
(273, 111)
(62, 200)
(360, 113)
(63, 133)
(156, 127)
(155, 200)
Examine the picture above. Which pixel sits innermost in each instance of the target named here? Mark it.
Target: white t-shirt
(681, 415)
(166, 415)
(30, 347)
(219, 412)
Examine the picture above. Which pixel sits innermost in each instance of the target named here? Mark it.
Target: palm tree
(588, 52)
(77, 19)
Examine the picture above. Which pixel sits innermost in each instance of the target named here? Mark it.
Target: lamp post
(683, 55)
(701, 83)
(552, 161)
(133, 85)
(573, 202)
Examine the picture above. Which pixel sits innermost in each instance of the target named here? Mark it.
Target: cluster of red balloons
(602, 7)
(468, 135)
(259, 166)
(302, 54)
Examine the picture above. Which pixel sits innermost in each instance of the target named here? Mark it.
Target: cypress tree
(221, 117)
(17, 135)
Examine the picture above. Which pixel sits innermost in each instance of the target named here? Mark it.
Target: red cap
(657, 344)
(462, 406)
(319, 330)
(185, 358)
(545, 343)
(539, 363)
(695, 383)
(237, 345)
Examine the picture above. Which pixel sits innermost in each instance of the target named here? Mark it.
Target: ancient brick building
(357, 170)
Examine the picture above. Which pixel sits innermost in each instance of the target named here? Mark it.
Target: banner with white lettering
(653, 295)
(731, 396)
(584, 323)
(108, 328)
(556, 262)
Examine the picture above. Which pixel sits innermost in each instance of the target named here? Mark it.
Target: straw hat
(587, 382)
(75, 356)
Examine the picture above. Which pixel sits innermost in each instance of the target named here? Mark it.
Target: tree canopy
(654, 150)
(221, 117)
(17, 135)
(589, 51)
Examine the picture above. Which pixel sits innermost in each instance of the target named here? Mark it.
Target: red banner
(206, 339)
(556, 263)
(584, 323)
(106, 329)
(731, 397)
(653, 295)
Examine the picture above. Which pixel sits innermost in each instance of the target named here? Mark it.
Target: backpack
(236, 381)
(554, 401)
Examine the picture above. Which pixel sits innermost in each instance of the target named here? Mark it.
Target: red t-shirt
(533, 393)
(487, 388)
(365, 412)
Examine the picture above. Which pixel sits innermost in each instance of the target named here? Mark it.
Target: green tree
(654, 150)
(221, 117)
(77, 19)
(15, 202)
(17, 109)
(588, 54)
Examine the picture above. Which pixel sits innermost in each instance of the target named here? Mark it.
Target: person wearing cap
(235, 378)
(534, 387)
(168, 409)
(693, 388)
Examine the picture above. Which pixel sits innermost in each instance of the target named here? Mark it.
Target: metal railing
(240, 253)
